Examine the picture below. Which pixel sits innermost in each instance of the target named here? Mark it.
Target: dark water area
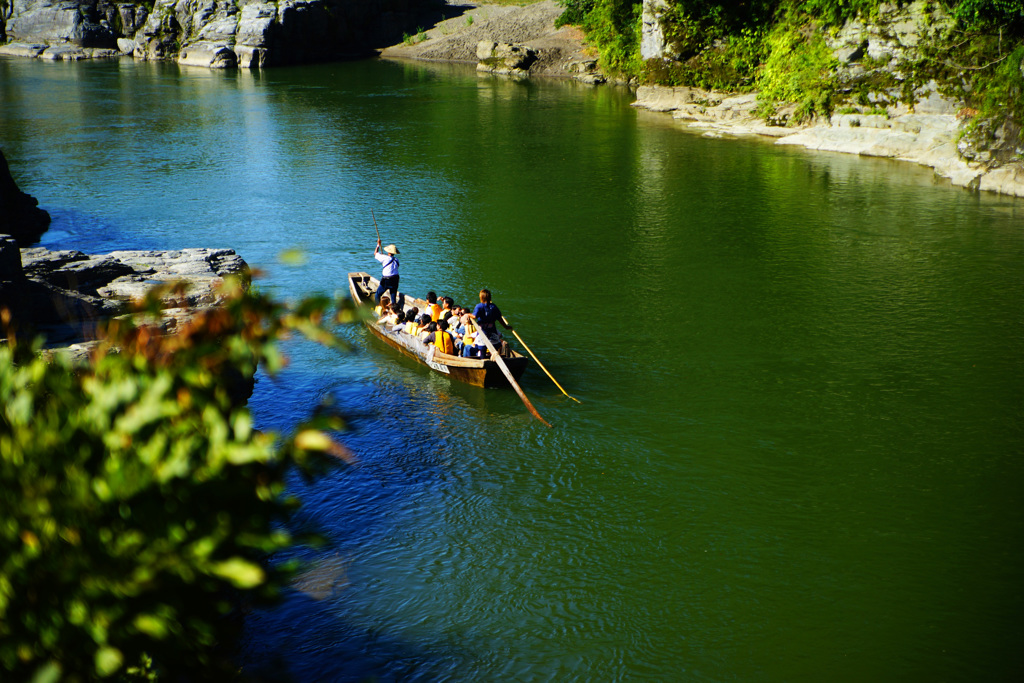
(799, 449)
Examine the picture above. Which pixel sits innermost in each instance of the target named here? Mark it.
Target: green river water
(798, 454)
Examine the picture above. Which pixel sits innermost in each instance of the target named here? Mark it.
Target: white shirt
(389, 261)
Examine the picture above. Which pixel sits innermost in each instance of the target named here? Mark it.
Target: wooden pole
(375, 224)
(534, 356)
(512, 380)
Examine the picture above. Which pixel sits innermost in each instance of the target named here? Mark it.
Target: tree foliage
(137, 500)
(777, 46)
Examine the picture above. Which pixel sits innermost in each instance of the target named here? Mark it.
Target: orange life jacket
(435, 311)
(443, 342)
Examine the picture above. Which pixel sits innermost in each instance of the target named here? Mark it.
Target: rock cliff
(212, 33)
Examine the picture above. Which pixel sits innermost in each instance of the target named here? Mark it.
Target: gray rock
(131, 17)
(22, 49)
(257, 32)
(64, 294)
(249, 57)
(652, 34)
(64, 53)
(208, 54)
(504, 58)
(59, 21)
(72, 270)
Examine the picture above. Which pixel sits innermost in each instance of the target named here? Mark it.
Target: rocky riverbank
(928, 134)
(209, 33)
(65, 295)
(509, 40)
(523, 41)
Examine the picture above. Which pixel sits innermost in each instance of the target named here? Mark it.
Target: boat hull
(475, 371)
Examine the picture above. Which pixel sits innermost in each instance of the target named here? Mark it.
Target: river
(798, 452)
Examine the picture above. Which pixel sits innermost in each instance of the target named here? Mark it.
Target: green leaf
(240, 572)
(108, 661)
(47, 673)
(151, 625)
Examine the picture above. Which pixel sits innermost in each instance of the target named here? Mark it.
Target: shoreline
(521, 41)
(926, 135)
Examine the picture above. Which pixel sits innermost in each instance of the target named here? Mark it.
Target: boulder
(208, 54)
(59, 21)
(203, 271)
(504, 58)
(64, 294)
(64, 53)
(20, 215)
(72, 270)
(22, 49)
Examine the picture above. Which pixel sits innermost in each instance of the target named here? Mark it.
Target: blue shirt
(487, 315)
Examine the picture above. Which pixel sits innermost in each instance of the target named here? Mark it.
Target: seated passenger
(427, 332)
(446, 308)
(432, 307)
(474, 345)
(383, 306)
(442, 339)
(391, 317)
(399, 325)
(465, 329)
(412, 325)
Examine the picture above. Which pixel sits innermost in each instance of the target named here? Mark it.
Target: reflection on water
(801, 374)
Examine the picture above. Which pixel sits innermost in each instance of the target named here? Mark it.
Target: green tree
(136, 499)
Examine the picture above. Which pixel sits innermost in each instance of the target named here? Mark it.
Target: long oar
(538, 362)
(512, 380)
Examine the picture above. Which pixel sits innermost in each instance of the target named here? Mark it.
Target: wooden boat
(477, 371)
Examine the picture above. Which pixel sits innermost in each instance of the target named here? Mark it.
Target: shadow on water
(304, 639)
(327, 626)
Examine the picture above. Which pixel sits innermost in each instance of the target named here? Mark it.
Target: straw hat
(391, 249)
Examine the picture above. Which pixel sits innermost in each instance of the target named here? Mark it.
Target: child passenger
(391, 318)
(383, 306)
(442, 339)
(432, 308)
(412, 325)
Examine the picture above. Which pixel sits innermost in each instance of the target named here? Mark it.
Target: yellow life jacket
(378, 311)
(412, 328)
(467, 336)
(435, 311)
(443, 342)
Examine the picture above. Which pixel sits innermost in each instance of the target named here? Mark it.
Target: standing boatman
(389, 271)
(488, 315)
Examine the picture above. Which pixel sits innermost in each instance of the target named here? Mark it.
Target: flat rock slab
(66, 293)
(22, 49)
